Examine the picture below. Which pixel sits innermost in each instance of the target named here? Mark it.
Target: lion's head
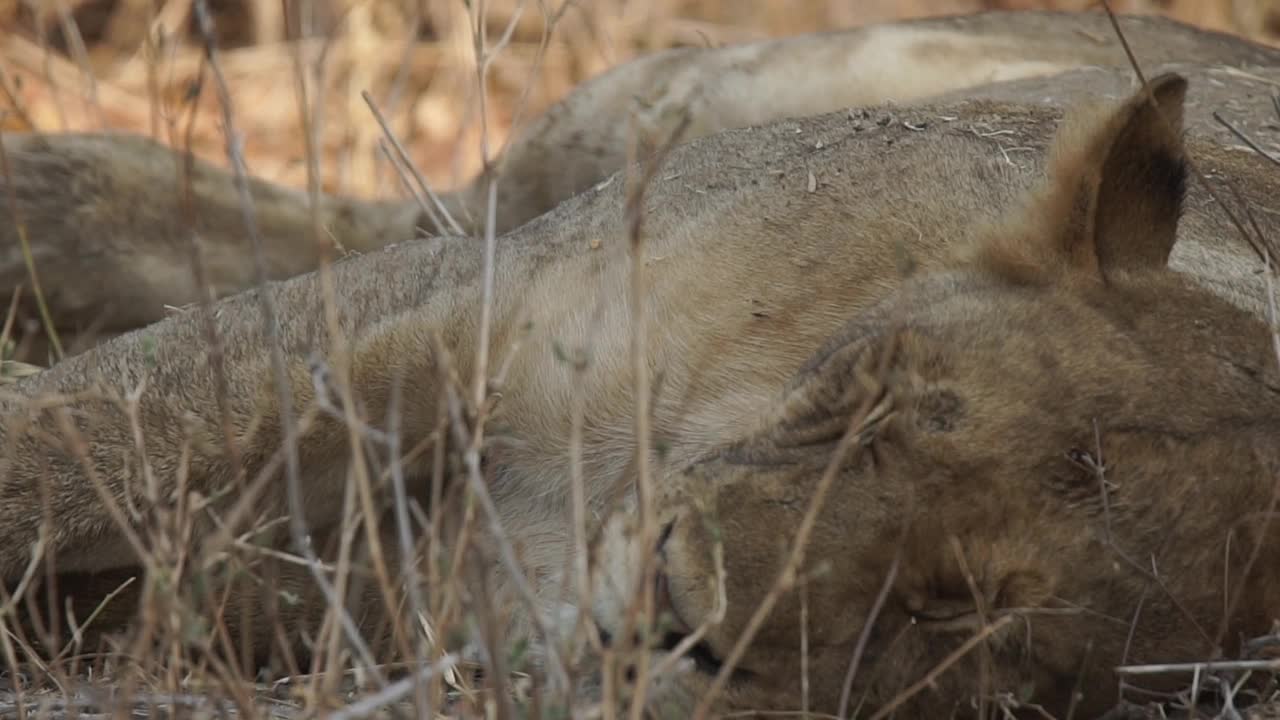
(1034, 465)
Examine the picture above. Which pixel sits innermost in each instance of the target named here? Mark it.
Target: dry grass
(121, 65)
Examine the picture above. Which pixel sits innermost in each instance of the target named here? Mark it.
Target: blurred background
(139, 65)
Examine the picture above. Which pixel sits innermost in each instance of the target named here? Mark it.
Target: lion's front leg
(168, 448)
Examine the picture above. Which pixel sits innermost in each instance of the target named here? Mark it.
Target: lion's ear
(1115, 190)
(1133, 180)
(857, 383)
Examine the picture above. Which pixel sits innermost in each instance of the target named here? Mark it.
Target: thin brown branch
(424, 190)
(1244, 138)
(846, 689)
(266, 301)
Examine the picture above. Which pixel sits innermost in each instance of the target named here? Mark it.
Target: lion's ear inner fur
(1113, 199)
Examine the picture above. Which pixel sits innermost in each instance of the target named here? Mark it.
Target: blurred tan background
(136, 65)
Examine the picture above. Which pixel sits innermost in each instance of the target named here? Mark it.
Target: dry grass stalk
(301, 537)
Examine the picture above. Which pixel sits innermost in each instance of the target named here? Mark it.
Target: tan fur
(1035, 322)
